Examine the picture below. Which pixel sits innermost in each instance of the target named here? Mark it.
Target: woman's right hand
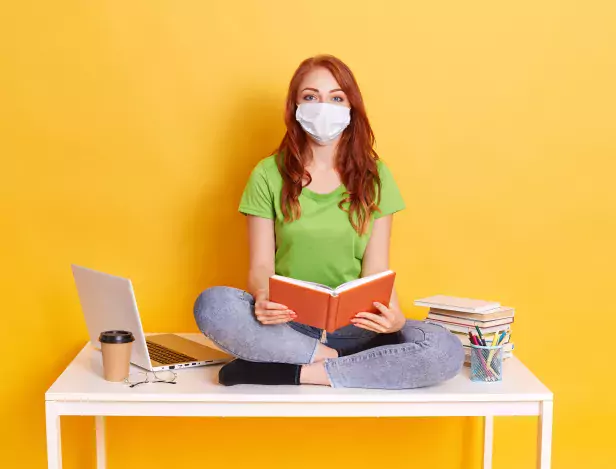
(268, 312)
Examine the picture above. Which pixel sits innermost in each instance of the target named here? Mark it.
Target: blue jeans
(420, 354)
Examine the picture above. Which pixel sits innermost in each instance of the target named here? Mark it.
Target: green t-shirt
(321, 246)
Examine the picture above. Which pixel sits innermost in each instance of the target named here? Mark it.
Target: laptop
(108, 303)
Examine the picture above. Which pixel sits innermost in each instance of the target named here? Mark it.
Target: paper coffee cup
(117, 347)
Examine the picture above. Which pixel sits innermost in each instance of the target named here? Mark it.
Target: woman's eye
(338, 99)
(309, 97)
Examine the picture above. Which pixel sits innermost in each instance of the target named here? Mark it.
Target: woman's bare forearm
(258, 279)
(262, 245)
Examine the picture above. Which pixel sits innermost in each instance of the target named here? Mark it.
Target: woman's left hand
(390, 320)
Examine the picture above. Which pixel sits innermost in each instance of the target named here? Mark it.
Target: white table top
(82, 381)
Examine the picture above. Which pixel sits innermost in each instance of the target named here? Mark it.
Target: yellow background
(128, 131)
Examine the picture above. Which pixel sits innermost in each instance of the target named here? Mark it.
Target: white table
(81, 390)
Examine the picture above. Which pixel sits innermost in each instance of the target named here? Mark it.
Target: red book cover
(331, 308)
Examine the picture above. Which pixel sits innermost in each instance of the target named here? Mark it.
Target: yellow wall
(129, 128)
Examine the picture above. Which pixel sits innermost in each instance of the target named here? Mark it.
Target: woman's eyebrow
(335, 89)
(311, 89)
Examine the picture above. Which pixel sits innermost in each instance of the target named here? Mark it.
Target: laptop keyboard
(166, 356)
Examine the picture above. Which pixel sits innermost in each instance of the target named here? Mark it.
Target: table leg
(54, 445)
(488, 441)
(101, 448)
(544, 435)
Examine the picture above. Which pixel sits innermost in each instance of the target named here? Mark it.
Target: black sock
(376, 341)
(244, 372)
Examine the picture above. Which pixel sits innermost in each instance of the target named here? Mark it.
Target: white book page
(305, 284)
(360, 281)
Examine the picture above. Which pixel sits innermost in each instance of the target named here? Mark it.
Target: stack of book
(461, 315)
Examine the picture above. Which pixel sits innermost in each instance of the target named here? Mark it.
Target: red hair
(355, 158)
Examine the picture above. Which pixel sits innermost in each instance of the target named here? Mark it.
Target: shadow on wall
(216, 230)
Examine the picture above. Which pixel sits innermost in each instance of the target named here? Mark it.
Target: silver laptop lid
(108, 303)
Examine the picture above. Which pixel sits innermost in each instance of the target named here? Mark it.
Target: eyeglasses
(135, 379)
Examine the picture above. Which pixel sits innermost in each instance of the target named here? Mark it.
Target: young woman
(321, 210)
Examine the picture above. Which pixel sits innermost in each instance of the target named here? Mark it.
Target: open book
(331, 308)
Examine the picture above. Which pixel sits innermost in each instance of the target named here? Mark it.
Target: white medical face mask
(323, 121)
